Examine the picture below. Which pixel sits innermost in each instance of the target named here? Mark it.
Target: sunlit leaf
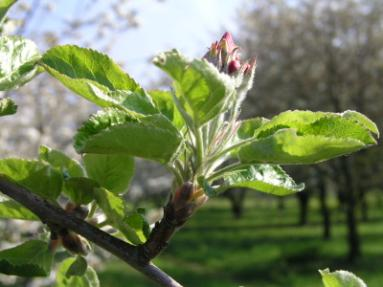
(89, 74)
(340, 278)
(201, 88)
(18, 58)
(304, 137)
(263, 177)
(114, 132)
(36, 176)
(248, 127)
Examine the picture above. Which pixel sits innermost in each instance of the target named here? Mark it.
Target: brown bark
(54, 215)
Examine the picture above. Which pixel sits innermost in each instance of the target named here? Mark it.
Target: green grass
(265, 248)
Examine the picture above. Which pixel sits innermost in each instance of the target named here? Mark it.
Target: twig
(53, 214)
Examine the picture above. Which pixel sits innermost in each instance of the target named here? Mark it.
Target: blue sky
(188, 25)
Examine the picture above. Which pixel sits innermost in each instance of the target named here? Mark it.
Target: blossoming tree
(193, 130)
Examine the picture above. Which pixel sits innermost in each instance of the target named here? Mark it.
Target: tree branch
(53, 214)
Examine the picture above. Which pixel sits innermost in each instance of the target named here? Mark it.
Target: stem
(53, 215)
(225, 151)
(199, 146)
(176, 173)
(93, 208)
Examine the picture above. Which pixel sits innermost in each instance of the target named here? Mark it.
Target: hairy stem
(51, 214)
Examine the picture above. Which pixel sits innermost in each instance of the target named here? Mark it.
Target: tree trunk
(303, 198)
(326, 220)
(363, 205)
(236, 197)
(281, 203)
(353, 236)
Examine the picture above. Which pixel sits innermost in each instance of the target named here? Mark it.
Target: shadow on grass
(264, 249)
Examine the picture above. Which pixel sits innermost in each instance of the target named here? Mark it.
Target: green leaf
(115, 211)
(78, 267)
(304, 137)
(265, 178)
(65, 164)
(7, 107)
(165, 104)
(340, 279)
(248, 127)
(36, 176)
(286, 147)
(136, 102)
(202, 89)
(4, 7)
(80, 190)
(114, 132)
(11, 209)
(112, 171)
(317, 123)
(18, 58)
(362, 120)
(139, 224)
(89, 74)
(30, 259)
(88, 279)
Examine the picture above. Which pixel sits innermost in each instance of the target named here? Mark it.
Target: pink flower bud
(233, 66)
(248, 67)
(227, 43)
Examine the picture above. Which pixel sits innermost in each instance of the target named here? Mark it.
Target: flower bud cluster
(225, 55)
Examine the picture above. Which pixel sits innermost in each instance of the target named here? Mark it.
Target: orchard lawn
(265, 248)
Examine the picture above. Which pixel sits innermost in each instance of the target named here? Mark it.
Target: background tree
(321, 55)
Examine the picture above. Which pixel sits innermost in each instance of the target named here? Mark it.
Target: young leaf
(13, 210)
(4, 7)
(286, 147)
(38, 177)
(137, 102)
(165, 104)
(202, 89)
(78, 267)
(304, 137)
(318, 123)
(65, 164)
(89, 74)
(7, 107)
(30, 259)
(115, 210)
(263, 177)
(362, 120)
(340, 279)
(248, 127)
(80, 190)
(112, 171)
(139, 224)
(114, 132)
(18, 58)
(88, 279)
